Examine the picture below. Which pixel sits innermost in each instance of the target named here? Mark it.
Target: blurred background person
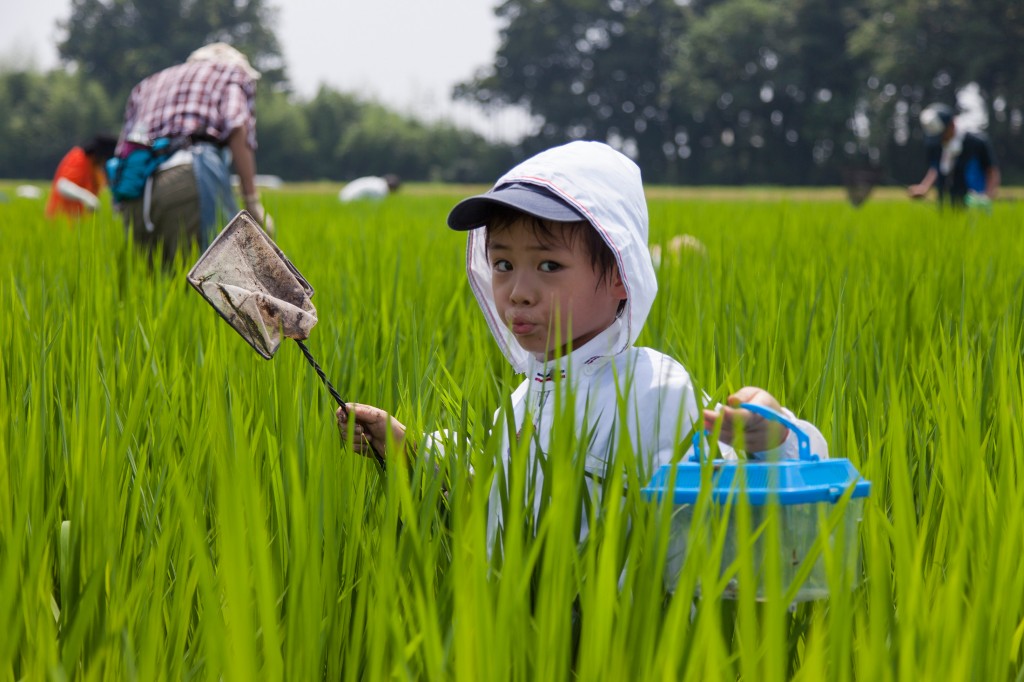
(79, 178)
(370, 187)
(206, 108)
(962, 165)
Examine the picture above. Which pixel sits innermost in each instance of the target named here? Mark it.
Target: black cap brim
(534, 200)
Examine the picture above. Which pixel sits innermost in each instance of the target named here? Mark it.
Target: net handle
(334, 393)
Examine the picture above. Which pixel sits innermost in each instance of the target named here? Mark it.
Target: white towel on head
(224, 54)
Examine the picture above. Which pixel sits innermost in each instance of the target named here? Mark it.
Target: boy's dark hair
(601, 257)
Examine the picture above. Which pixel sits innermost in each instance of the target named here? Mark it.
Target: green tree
(120, 42)
(285, 146)
(697, 91)
(590, 68)
(337, 136)
(328, 115)
(382, 141)
(729, 82)
(766, 91)
(43, 115)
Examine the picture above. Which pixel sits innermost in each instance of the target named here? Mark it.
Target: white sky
(406, 54)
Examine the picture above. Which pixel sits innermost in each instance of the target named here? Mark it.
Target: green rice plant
(174, 507)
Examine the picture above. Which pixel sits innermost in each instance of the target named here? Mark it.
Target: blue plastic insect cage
(809, 493)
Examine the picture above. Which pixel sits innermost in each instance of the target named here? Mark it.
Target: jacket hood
(605, 187)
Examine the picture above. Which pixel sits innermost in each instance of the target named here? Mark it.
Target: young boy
(557, 257)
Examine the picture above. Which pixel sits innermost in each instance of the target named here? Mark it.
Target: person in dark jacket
(962, 165)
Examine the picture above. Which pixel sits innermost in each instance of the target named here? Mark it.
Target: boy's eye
(502, 266)
(550, 266)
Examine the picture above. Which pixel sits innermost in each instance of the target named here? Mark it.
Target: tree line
(698, 91)
(731, 91)
(332, 136)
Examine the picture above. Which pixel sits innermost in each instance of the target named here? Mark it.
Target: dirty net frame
(253, 286)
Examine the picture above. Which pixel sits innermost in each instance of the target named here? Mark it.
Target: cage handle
(802, 439)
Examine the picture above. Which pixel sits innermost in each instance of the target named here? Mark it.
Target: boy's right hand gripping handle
(802, 439)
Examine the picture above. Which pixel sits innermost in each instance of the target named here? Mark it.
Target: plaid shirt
(203, 98)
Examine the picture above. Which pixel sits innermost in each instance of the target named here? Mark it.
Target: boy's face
(547, 289)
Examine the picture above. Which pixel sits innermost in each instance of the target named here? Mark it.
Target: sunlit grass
(173, 506)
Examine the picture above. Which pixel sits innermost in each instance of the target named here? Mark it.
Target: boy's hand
(369, 433)
(759, 434)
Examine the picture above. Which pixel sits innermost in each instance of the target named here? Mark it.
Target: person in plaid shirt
(206, 107)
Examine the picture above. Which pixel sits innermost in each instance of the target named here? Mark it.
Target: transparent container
(812, 499)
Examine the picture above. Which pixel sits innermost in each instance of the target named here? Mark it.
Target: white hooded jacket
(608, 371)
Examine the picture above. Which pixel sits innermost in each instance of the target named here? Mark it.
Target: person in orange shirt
(79, 178)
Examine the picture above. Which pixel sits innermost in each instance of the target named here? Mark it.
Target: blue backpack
(127, 176)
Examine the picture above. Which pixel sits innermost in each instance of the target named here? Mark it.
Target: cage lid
(787, 482)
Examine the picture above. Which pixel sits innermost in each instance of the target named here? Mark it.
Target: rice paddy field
(172, 506)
